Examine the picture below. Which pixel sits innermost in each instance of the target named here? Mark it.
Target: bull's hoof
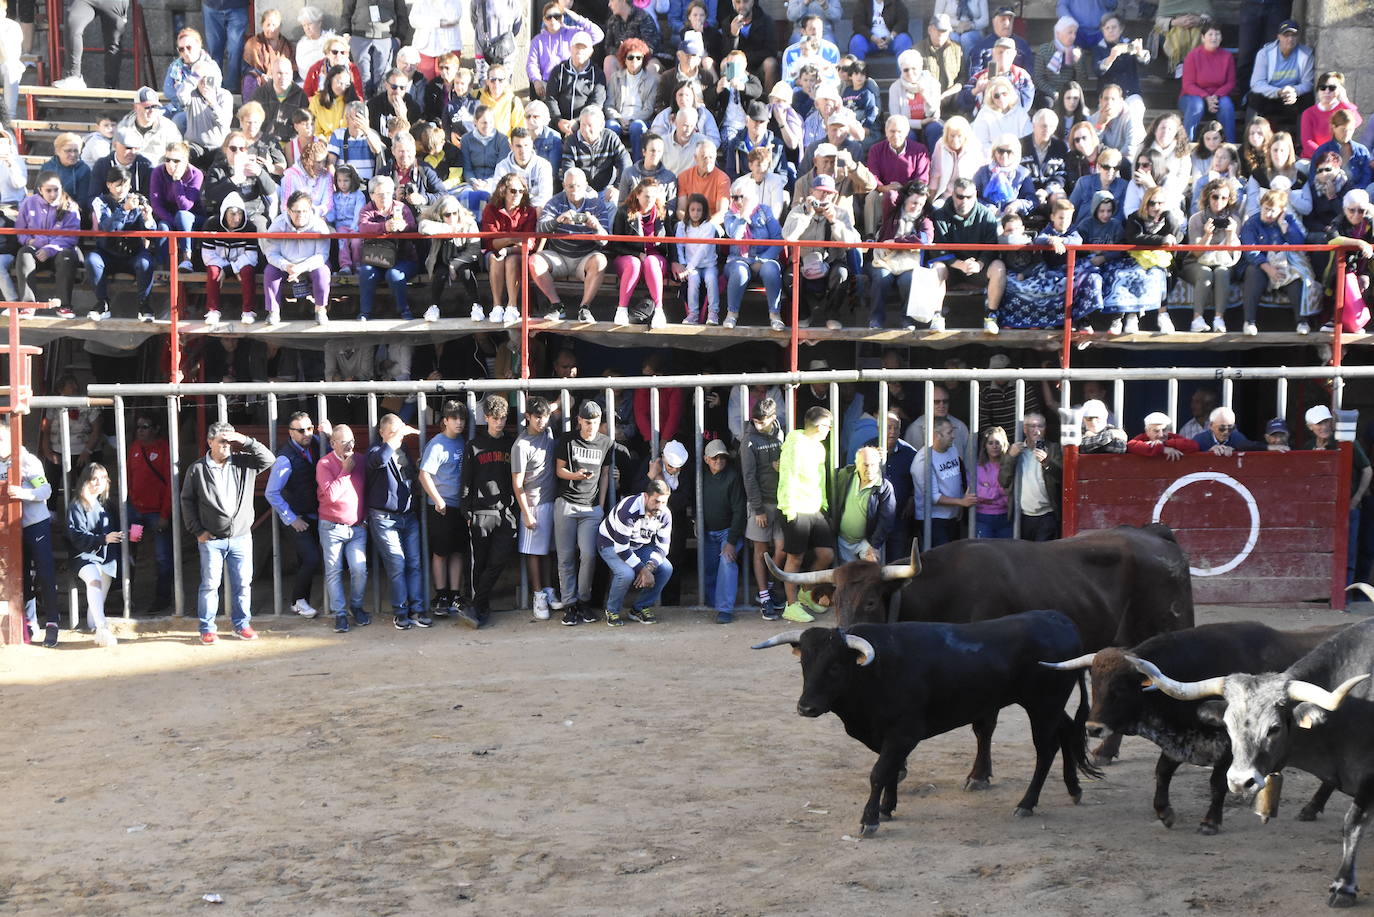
(1023, 812)
(901, 775)
(1103, 760)
(1077, 798)
(1208, 829)
(1166, 817)
(973, 784)
(1341, 898)
(886, 816)
(1308, 814)
(867, 830)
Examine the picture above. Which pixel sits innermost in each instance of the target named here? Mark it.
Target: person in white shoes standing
(291, 492)
(532, 467)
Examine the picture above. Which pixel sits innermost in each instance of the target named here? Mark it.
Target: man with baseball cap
(755, 135)
(943, 57)
(723, 521)
(1001, 62)
(127, 147)
(1159, 440)
(575, 84)
(581, 459)
(825, 271)
(1322, 425)
(149, 119)
(1003, 26)
(1282, 84)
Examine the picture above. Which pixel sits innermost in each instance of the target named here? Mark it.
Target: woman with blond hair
(95, 542)
(994, 516)
(957, 155)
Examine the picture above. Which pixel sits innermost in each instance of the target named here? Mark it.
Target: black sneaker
(469, 617)
(361, 618)
(555, 315)
(50, 636)
(571, 618)
(613, 619)
(643, 615)
(587, 614)
(770, 612)
(421, 619)
(341, 624)
(402, 622)
(438, 608)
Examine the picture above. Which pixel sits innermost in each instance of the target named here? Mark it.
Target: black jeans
(307, 560)
(114, 18)
(1040, 528)
(63, 265)
(493, 543)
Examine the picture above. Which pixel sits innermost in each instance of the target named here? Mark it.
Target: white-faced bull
(1119, 586)
(1292, 718)
(1123, 705)
(893, 685)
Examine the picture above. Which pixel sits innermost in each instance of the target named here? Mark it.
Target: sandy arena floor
(535, 769)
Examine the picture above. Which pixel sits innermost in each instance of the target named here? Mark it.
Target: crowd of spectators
(707, 122)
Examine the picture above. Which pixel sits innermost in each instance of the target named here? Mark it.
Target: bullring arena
(527, 769)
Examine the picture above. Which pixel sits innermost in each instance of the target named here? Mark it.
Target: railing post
(272, 513)
(1066, 348)
(792, 341)
(174, 312)
(174, 475)
(525, 309)
(127, 549)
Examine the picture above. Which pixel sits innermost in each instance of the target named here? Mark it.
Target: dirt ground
(534, 768)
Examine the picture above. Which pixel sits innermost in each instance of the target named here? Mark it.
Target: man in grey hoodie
(217, 507)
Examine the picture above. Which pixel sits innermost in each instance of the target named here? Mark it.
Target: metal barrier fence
(566, 390)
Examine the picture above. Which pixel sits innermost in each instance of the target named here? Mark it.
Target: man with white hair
(865, 508)
(1222, 438)
(598, 152)
(900, 160)
(1059, 62)
(1159, 440)
(704, 178)
(1045, 155)
(1098, 434)
(548, 143)
(310, 46)
(680, 146)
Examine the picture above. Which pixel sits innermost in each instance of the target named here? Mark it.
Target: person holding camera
(1209, 272)
(209, 111)
(825, 271)
(1118, 61)
(117, 211)
(1036, 467)
(575, 211)
(753, 31)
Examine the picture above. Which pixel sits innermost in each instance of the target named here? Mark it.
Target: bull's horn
(862, 646)
(907, 570)
(1180, 690)
(1306, 692)
(790, 637)
(1072, 665)
(1367, 589)
(814, 578)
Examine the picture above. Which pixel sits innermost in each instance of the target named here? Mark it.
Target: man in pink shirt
(343, 530)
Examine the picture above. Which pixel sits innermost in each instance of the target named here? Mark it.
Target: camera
(579, 219)
(1040, 444)
(1222, 222)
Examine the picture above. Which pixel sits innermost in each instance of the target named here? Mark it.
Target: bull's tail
(1078, 742)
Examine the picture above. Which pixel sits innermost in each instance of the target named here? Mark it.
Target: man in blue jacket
(392, 501)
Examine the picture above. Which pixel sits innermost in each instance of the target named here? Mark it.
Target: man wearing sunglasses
(291, 492)
(391, 101)
(181, 79)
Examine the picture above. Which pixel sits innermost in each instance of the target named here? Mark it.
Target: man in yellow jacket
(803, 501)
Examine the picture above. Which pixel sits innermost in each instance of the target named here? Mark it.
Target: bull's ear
(1309, 716)
(1212, 712)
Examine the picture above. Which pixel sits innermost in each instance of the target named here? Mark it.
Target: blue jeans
(704, 278)
(224, 32)
(162, 551)
(861, 48)
(396, 278)
(373, 57)
(880, 284)
(737, 273)
(1352, 547)
(344, 543)
(182, 221)
(473, 199)
(993, 525)
(237, 553)
(1194, 108)
(622, 575)
(635, 131)
(397, 536)
(100, 265)
(968, 41)
(722, 576)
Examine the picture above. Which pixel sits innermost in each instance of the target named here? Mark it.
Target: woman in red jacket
(508, 211)
(1209, 76)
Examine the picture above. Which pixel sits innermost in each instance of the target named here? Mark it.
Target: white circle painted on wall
(1238, 487)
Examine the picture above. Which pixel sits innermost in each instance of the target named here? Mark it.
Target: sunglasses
(341, 51)
(301, 429)
(553, 17)
(400, 87)
(171, 161)
(1220, 197)
(515, 190)
(634, 57)
(238, 148)
(143, 426)
(1329, 87)
(449, 213)
(737, 197)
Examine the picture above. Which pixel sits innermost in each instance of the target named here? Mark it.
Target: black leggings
(114, 18)
(1256, 282)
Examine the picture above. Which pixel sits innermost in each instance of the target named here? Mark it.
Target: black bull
(1119, 586)
(893, 685)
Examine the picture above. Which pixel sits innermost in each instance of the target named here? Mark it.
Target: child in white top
(697, 263)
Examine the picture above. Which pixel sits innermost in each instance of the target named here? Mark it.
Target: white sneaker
(105, 637)
(497, 315)
(432, 314)
(96, 315)
(541, 606)
(1199, 325)
(937, 323)
(302, 608)
(1304, 328)
(248, 318)
(1166, 324)
(273, 317)
(476, 315)
(1115, 326)
(512, 315)
(657, 320)
(1132, 324)
(989, 325)
(321, 315)
(622, 316)
(1219, 324)
(70, 82)
(1249, 328)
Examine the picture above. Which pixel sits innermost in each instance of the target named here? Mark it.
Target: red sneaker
(246, 632)
(209, 639)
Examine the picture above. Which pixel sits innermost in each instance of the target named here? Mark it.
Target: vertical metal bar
(524, 309)
(792, 356)
(1281, 397)
(927, 471)
(836, 413)
(1228, 393)
(121, 460)
(174, 310)
(376, 561)
(612, 489)
(698, 425)
(1173, 403)
(745, 414)
(222, 403)
(1020, 436)
(1066, 347)
(174, 468)
(427, 559)
(655, 421)
(882, 421)
(276, 523)
(64, 463)
(1119, 402)
(565, 402)
(974, 424)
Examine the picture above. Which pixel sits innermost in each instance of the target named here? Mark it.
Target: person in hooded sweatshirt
(113, 214)
(230, 249)
(1099, 224)
(254, 185)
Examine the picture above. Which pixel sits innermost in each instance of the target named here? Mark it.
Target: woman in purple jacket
(174, 192)
(49, 208)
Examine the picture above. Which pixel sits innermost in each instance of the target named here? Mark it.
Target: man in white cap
(1098, 434)
(723, 522)
(825, 271)
(681, 494)
(1159, 440)
(127, 152)
(1322, 425)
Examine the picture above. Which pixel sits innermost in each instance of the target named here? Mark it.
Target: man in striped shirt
(633, 541)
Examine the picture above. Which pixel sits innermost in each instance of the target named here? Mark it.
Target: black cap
(757, 111)
(1289, 25)
(1005, 11)
(590, 410)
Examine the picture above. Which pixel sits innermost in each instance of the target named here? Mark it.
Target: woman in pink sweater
(1209, 76)
(1316, 121)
